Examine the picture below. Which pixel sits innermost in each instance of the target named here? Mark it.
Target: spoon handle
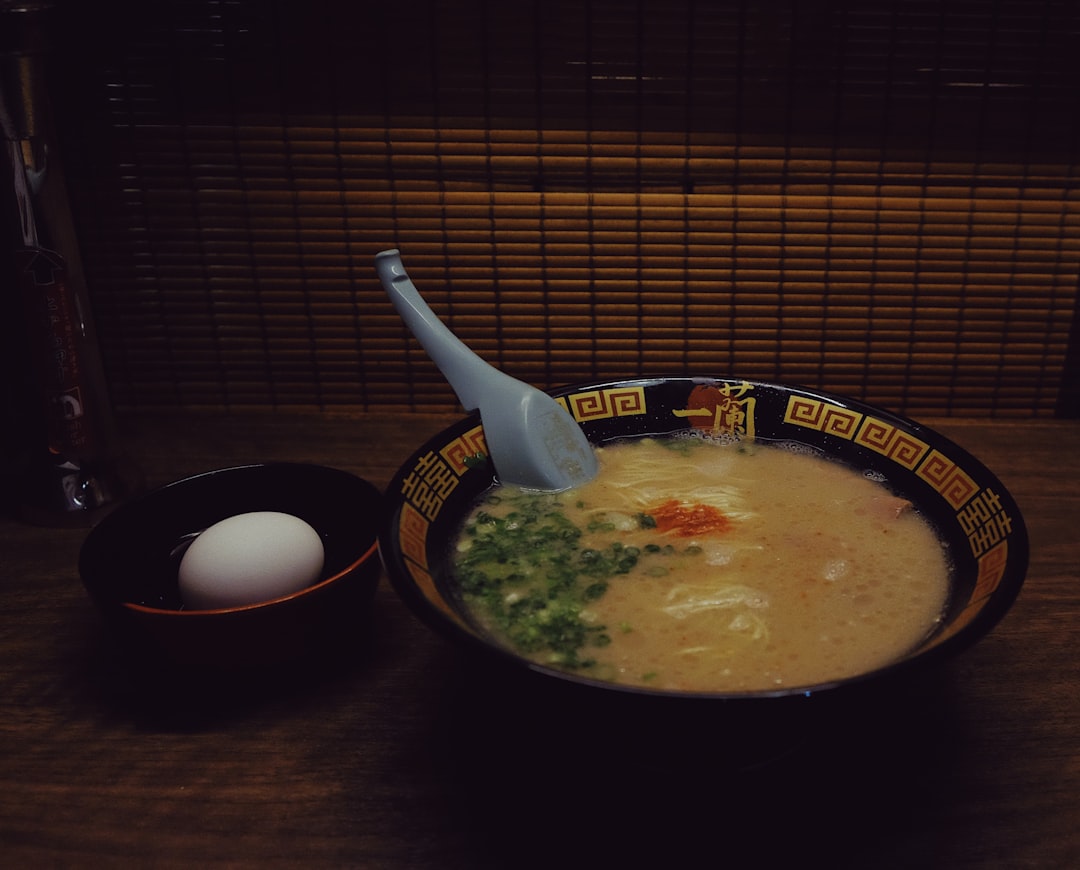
(466, 372)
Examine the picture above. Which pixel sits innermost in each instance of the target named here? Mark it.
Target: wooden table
(393, 759)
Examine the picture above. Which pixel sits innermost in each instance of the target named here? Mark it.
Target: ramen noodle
(694, 565)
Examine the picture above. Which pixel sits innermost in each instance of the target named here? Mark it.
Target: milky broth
(754, 568)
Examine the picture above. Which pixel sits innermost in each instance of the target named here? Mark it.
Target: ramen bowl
(972, 513)
(129, 565)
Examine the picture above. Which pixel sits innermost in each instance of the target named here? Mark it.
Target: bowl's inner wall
(133, 554)
(972, 512)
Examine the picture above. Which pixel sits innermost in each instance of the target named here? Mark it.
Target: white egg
(250, 558)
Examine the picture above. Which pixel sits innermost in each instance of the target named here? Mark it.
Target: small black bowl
(977, 518)
(129, 562)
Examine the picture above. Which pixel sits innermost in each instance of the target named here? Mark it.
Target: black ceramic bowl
(975, 515)
(129, 564)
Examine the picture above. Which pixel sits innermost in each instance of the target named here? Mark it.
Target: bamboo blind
(876, 199)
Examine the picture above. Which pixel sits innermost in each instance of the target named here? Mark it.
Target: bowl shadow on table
(543, 777)
(158, 694)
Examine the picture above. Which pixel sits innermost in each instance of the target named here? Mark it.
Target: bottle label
(53, 329)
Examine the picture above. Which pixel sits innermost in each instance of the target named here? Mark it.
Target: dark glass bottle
(62, 461)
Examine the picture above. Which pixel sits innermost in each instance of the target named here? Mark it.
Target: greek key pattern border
(980, 514)
(605, 404)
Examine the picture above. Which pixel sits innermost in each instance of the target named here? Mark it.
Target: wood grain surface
(402, 753)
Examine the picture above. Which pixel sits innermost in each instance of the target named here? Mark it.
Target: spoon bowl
(532, 441)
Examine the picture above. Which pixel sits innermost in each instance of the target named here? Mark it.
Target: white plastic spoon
(531, 439)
